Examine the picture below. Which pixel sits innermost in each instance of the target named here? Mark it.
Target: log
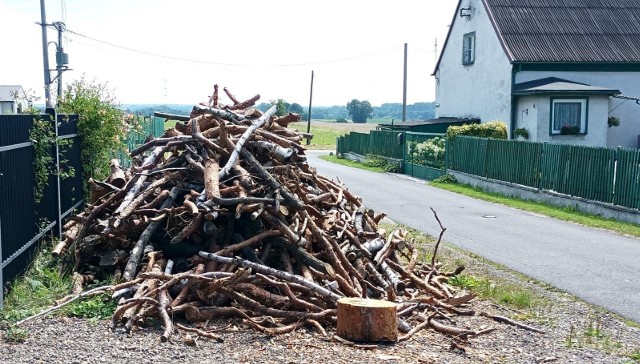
(364, 319)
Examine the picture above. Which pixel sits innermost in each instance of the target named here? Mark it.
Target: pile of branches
(222, 216)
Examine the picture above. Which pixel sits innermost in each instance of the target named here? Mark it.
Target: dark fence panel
(23, 221)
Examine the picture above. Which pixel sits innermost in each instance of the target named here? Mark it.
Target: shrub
(374, 161)
(341, 120)
(493, 129)
(429, 153)
(521, 132)
(101, 125)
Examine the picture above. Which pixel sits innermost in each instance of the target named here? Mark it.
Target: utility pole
(309, 114)
(404, 86)
(45, 55)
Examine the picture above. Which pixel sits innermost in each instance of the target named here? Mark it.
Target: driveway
(597, 266)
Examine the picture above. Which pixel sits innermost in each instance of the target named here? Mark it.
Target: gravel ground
(595, 336)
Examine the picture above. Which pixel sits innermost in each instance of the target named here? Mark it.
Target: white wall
(482, 89)
(628, 83)
(534, 112)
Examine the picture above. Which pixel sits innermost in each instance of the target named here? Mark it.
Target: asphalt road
(597, 266)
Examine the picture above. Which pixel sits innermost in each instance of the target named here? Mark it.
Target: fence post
(54, 116)
(1, 265)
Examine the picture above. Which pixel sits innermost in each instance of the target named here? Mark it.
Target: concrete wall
(534, 112)
(482, 89)
(552, 198)
(625, 135)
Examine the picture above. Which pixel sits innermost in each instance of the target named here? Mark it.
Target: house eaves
(558, 86)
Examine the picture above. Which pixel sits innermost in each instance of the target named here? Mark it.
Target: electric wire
(190, 60)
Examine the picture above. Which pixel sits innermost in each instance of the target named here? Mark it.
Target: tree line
(356, 110)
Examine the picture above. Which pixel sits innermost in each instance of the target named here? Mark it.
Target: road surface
(597, 266)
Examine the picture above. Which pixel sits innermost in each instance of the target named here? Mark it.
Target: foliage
(360, 111)
(341, 120)
(522, 132)
(350, 163)
(382, 163)
(430, 153)
(98, 307)
(383, 113)
(42, 283)
(493, 129)
(296, 108)
(613, 121)
(100, 124)
(570, 129)
(43, 139)
(282, 107)
(445, 179)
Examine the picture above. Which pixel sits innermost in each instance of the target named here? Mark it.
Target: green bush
(430, 153)
(101, 124)
(493, 129)
(377, 162)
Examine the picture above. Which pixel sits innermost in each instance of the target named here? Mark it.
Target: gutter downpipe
(514, 70)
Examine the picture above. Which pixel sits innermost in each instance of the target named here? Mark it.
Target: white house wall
(534, 112)
(626, 135)
(482, 89)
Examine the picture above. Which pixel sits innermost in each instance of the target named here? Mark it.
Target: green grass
(39, 287)
(350, 163)
(502, 293)
(561, 213)
(323, 138)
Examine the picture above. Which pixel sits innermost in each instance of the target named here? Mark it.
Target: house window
(469, 48)
(569, 116)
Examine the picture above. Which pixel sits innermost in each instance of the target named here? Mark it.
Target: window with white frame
(469, 48)
(569, 116)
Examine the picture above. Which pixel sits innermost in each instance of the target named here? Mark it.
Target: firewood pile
(223, 217)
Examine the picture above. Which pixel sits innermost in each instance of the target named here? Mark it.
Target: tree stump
(363, 319)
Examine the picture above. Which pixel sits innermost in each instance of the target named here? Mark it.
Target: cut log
(363, 319)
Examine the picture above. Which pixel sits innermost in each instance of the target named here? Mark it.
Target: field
(325, 133)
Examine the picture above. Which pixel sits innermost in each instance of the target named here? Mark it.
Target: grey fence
(23, 221)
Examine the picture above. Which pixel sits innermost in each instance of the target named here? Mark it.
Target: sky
(173, 52)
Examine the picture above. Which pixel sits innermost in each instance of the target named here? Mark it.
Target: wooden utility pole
(404, 86)
(309, 114)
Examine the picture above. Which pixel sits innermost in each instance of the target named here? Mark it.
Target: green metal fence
(599, 174)
(424, 155)
(627, 178)
(143, 129)
(385, 143)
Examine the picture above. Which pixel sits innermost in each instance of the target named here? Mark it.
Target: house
(13, 99)
(561, 69)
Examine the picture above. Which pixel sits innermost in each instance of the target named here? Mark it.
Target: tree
(360, 111)
(100, 124)
(282, 107)
(296, 108)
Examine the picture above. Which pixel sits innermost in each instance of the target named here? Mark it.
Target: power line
(190, 60)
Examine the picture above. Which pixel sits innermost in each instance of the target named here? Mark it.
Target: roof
(564, 31)
(552, 85)
(568, 30)
(8, 92)
(442, 120)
